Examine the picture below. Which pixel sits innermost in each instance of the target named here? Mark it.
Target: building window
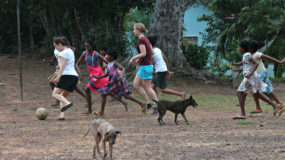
(190, 39)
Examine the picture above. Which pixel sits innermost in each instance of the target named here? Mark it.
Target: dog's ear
(118, 132)
(106, 134)
(190, 97)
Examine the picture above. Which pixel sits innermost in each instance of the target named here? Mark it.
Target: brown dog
(102, 129)
(175, 107)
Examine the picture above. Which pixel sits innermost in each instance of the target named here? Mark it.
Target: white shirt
(56, 53)
(257, 57)
(158, 61)
(69, 68)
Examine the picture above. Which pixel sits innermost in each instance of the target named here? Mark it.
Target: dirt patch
(211, 133)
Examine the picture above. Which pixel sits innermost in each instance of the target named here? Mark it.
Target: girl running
(117, 86)
(92, 58)
(67, 77)
(53, 76)
(142, 81)
(161, 71)
(251, 81)
(261, 70)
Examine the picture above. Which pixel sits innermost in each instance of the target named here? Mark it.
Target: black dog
(175, 107)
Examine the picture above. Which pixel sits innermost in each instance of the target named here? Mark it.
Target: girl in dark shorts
(161, 71)
(67, 77)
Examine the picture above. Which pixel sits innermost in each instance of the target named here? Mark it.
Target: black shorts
(67, 82)
(159, 80)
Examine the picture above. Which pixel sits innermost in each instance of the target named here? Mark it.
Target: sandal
(275, 112)
(64, 108)
(280, 111)
(256, 111)
(239, 116)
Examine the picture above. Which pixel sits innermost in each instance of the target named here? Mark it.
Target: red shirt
(147, 60)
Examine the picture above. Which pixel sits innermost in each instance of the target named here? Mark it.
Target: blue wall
(192, 26)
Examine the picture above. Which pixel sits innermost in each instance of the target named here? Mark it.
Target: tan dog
(102, 129)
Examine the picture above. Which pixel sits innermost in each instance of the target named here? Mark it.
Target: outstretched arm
(236, 63)
(77, 66)
(271, 59)
(283, 60)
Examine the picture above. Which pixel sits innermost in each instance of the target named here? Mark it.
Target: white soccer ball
(41, 113)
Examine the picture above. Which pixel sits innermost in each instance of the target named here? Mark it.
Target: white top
(257, 57)
(158, 61)
(247, 64)
(56, 53)
(69, 68)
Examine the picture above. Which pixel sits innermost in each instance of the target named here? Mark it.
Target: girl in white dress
(251, 81)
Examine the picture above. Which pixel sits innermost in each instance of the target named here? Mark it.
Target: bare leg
(79, 91)
(103, 103)
(62, 94)
(138, 87)
(52, 85)
(124, 102)
(57, 95)
(273, 96)
(241, 100)
(257, 102)
(88, 99)
(147, 87)
(265, 99)
(134, 100)
(154, 88)
(170, 91)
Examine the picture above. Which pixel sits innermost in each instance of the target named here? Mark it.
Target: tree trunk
(78, 24)
(31, 32)
(167, 25)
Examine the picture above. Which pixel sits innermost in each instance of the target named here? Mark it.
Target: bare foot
(126, 106)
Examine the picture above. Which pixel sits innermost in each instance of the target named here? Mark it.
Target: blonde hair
(141, 27)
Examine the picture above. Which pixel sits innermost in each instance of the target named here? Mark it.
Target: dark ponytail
(62, 40)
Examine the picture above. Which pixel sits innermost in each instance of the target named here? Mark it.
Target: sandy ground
(211, 133)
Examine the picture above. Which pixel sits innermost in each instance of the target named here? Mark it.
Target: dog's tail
(87, 132)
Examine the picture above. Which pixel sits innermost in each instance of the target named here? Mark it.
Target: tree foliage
(101, 21)
(197, 56)
(233, 20)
